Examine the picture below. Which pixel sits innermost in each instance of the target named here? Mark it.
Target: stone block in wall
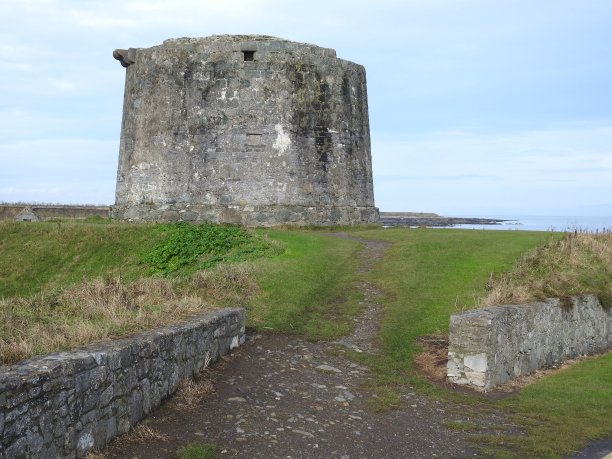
(490, 346)
(65, 404)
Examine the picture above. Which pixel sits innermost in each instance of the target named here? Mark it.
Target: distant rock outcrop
(416, 219)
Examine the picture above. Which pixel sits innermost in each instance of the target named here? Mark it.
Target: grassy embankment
(46, 256)
(68, 284)
(563, 410)
(426, 275)
(576, 264)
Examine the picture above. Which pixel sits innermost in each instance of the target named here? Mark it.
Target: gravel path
(283, 397)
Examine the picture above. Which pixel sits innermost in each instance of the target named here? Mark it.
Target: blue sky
(477, 107)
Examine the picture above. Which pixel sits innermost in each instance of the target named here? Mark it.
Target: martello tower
(244, 129)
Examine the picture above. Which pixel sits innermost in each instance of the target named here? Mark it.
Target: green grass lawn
(305, 286)
(560, 412)
(306, 289)
(49, 255)
(429, 274)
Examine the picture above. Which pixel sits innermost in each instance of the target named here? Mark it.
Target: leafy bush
(192, 247)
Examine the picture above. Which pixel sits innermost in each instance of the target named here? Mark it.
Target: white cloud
(554, 170)
(442, 76)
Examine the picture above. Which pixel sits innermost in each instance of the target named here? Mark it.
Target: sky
(477, 107)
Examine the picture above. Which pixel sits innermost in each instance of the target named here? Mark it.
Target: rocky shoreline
(407, 219)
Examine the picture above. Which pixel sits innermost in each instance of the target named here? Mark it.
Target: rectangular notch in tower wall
(248, 56)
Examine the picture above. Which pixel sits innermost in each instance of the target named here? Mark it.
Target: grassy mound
(576, 264)
(67, 284)
(49, 255)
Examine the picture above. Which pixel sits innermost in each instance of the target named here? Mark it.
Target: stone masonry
(244, 129)
(64, 404)
(489, 346)
(44, 212)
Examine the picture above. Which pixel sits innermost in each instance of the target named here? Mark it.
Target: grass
(94, 296)
(76, 283)
(198, 451)
(576, 264)
(426, 275)
(144, 433)
(304, 289)
(462, 426)
(49, 255)
(193, 391)
(559, 413)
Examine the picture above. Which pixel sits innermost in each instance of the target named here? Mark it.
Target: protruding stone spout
(125, 56)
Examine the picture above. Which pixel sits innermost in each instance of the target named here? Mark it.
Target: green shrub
(193, 247)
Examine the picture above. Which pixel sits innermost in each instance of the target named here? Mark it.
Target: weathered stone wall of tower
(244, 129)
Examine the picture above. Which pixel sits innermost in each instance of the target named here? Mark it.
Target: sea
(548, 223)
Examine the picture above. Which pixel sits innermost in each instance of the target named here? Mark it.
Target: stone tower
(244, 129)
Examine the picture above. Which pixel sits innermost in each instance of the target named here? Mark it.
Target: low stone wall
(489, 346)
(64, 404)
(42, 212)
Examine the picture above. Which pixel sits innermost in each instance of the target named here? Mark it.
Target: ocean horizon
(545, 223)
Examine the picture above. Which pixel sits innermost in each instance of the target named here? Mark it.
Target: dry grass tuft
(226, 284)
(431, 362)
(191, 392)
(95, 455)
(109, 307)
(578, 263)
(141, 433)
(144, 433)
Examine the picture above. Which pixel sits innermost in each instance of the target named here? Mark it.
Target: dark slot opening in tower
(248, 56)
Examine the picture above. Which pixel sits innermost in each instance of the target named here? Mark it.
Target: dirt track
(283, 397)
